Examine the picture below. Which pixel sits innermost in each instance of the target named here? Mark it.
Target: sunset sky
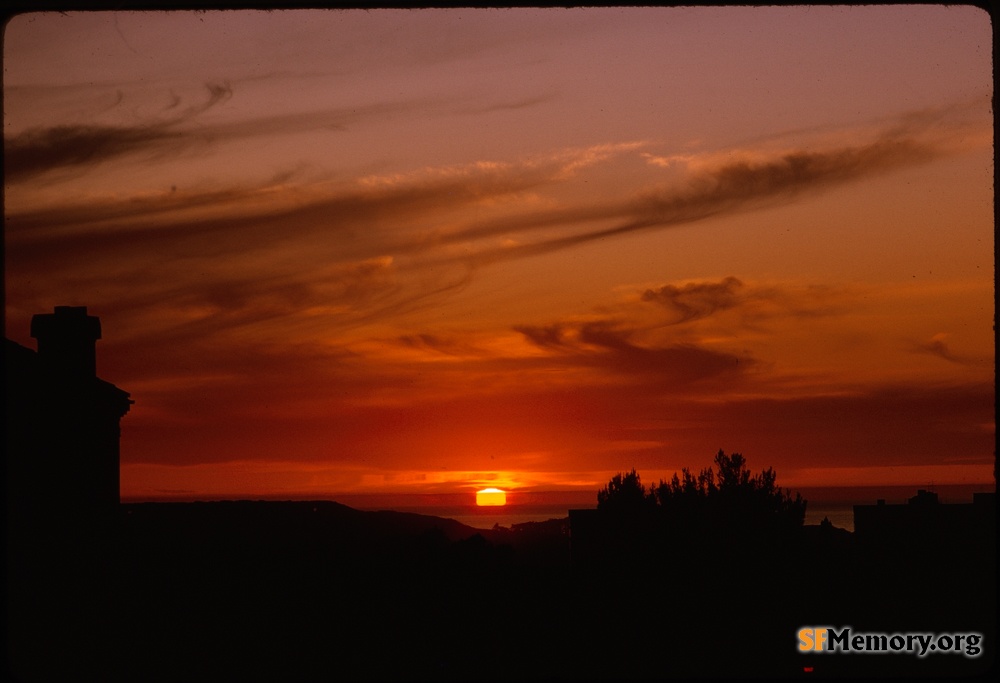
(428, 251)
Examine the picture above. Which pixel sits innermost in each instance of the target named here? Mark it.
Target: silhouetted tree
(624, 493)
(733, 495)
(758, 494)
(728, 505)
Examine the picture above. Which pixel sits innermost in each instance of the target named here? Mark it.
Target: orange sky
(435, 250)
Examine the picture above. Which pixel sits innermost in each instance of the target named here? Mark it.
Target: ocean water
(521, 506)
(834, 503)
(479, 518)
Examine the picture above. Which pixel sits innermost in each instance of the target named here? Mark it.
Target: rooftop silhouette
(63, 422)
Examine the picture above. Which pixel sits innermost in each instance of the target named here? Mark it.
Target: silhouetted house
(926, 524)
(62, 450)
(63, 424)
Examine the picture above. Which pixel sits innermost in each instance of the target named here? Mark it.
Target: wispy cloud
(696, 300)
(74, 148)
(378, 246)
(939, 347)
(610, 348)
(509, 105)
(714, 191)
(37, 150)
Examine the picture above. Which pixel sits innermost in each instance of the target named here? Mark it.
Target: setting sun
(491, 496)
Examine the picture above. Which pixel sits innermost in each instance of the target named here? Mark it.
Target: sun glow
(491, 496)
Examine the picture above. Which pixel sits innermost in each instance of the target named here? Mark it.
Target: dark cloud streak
(696, 300)
(604, 345)
(38, 150)
(525, 103)
(718, 191)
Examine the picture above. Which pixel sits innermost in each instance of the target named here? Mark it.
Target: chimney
(67, 341)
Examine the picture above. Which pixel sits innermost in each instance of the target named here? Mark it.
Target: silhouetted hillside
(291, 591)
(353, 594)
(290, 521)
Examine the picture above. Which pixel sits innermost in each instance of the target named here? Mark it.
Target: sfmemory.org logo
(829, 639)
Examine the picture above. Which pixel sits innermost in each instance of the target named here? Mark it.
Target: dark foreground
(318, 591)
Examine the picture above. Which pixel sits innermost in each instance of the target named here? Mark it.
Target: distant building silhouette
(925, 523)
(63, 423)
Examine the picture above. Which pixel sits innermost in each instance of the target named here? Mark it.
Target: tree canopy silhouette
(729, 501)
(624, 492)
